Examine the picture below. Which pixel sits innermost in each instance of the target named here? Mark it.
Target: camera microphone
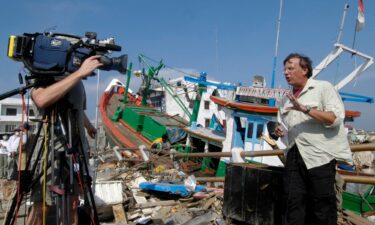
(112, 47)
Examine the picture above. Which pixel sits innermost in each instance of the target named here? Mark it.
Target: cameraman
(66, 93)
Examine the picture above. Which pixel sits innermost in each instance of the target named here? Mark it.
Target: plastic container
(108, 193)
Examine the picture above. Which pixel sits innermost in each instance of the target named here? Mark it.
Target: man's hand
(327, 118)
(88, 66)
(279, 131)
(296, 105)
(91, 130)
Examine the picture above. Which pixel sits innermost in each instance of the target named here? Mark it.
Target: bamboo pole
(354, 148)
(347, 179)
(358, 179)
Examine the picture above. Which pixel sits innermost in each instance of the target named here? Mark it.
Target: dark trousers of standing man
(309, 195)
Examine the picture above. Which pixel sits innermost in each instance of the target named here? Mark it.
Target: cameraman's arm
(46, 96)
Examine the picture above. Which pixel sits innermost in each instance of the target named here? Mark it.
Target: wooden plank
(119, 213)
(357, 219)
(157, 203)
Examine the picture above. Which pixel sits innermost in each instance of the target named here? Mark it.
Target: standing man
(3, 157)
(13, 150)
(68, 95)
(311, 119)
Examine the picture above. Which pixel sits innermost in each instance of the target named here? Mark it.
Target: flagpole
(355, 35)
(272, 101)
(360, 20)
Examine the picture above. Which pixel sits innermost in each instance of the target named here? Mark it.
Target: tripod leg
(88, 186)
(36, 215)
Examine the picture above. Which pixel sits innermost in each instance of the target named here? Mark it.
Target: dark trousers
(309, 195)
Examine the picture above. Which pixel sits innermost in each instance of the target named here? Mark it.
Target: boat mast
(346, 7)
(272, 101)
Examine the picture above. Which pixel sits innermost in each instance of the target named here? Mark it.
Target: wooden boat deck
(121, 134)
(206, 134)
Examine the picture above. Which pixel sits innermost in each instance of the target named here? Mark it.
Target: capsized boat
(131, 125)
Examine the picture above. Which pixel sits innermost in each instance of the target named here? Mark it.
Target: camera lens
(116, 63)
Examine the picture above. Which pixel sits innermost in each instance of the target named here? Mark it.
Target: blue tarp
(175, 134)
(172, 188)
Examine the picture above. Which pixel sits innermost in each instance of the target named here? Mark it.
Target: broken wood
(119, 213)
(157, 203)
(210, 179)
(209, 202)
(356, 219)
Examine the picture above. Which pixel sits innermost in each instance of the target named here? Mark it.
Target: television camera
(56, 54)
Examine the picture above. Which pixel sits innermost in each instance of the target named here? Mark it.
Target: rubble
(154, 207)
(121, 200)
(188, 204)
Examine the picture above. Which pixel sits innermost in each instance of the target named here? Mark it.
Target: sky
(230, 40)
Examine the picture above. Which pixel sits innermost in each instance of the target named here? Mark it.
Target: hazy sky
(231, 40)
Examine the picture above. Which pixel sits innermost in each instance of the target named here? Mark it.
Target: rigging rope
(169, 67)
(20, 143)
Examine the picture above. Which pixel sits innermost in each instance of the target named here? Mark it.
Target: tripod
(62, 152)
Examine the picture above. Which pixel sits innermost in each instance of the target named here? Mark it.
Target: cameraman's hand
(91, 131)
(46, 96)
(88, 66)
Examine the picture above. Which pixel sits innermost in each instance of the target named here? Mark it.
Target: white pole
(272, 101)
(96, 110)
(97, 132)
(346, 7)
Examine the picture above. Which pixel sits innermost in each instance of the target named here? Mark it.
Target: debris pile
(156, 194)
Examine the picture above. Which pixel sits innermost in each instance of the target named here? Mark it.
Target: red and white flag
(361, 16)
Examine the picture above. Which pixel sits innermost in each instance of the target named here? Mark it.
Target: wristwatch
(308, 108)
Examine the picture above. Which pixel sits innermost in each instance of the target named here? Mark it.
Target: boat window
(206, 122)
(271, 126)
(250, 129)
(206, 105)
(240, 128)
(260, 129)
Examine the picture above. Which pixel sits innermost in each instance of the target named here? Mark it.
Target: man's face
(294, 74)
